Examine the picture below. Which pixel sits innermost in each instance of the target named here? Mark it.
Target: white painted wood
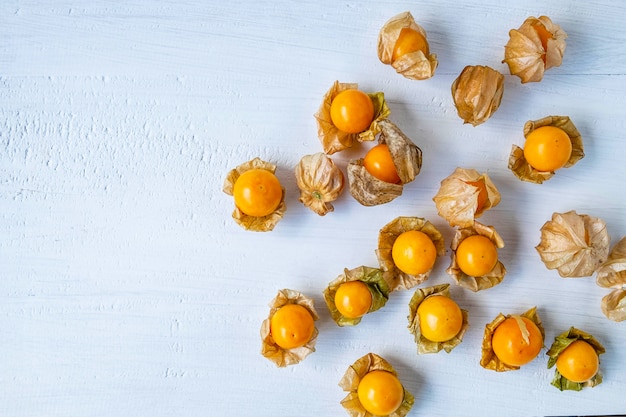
(127, 289)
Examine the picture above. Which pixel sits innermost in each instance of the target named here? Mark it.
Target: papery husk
(285, 357)
(457, 201)
(561, 342)
(372, 277)
(407, 158)
(397, 279)
(491, 279)
(614, 305)
(253, 223)
(424, 345)
(488, 359)
(320, 182)
(574, 244)
(524, 171)
(332, 139)
(350, 383)
(612, 274)
(414, 65)
(477, 93)
(524, 52)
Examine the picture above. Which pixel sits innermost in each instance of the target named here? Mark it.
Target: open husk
(525, 53)
(477, 93)
(561, 342)
(372, 277)
(332, 139)
(488, 359)
(407, 158)
(524, 171)
(612, 274)
(414, 65)
(424, 345)
(457, 199)
(255, 224)
(350, 384)
(284, 357)
(397, 279)
(574, 244)
(491, 279)
(320, 182)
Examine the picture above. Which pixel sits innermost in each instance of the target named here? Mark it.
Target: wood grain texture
(127, 289)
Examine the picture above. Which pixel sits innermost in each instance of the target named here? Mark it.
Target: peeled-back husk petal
(320, 182)
(477, 93)
(428, 346)
(397, 279)
(457, 200)
(574, 244)
(414, 65)
(332, 139)
(253, 223)
(285, 357)
(352, 377)
(493, 277)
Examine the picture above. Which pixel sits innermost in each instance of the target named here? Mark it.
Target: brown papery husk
(612, 274)
(334, 140)
(524, 52)
(320, 182)
(415, 65)
(477, 93)
(428, 346)
(285, 357)
(253, 223)
(352, 377)
(574, 244)
(488, 359)
(493, 277)
(524, 171)
(614, 305)
(397, 279)
(457, 200)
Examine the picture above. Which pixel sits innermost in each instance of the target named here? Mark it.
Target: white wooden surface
(127, 289)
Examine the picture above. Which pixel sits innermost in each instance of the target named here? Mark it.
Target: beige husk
(477, 93)
(320, 182)
(525, 54)
(284, 357)
(457, 201)
(414, 65)
(352, 377)
(522, 169)
(612, 274)
(397, 279)
(424, 345)
(332, 139)
(574, 244)
(491, 279)
(488, 359)
(407, 158)
(255, 224)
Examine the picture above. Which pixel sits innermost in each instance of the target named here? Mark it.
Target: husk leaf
(477, 93)
(352, 377)
(561, 342)
(424, 345)
(255, 224)
(320, 182)
(524, 52)
(488, 359)
(372, 277)
(457, 200)
(524, 171)
(573, 244)
(414, 65)
(285, 357)
(491, 279)
(612, 273)
(332, 139)
(397, 279)
(614, 305)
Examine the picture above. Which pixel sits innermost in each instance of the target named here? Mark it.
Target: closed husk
(320, 182)
(477, 93)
